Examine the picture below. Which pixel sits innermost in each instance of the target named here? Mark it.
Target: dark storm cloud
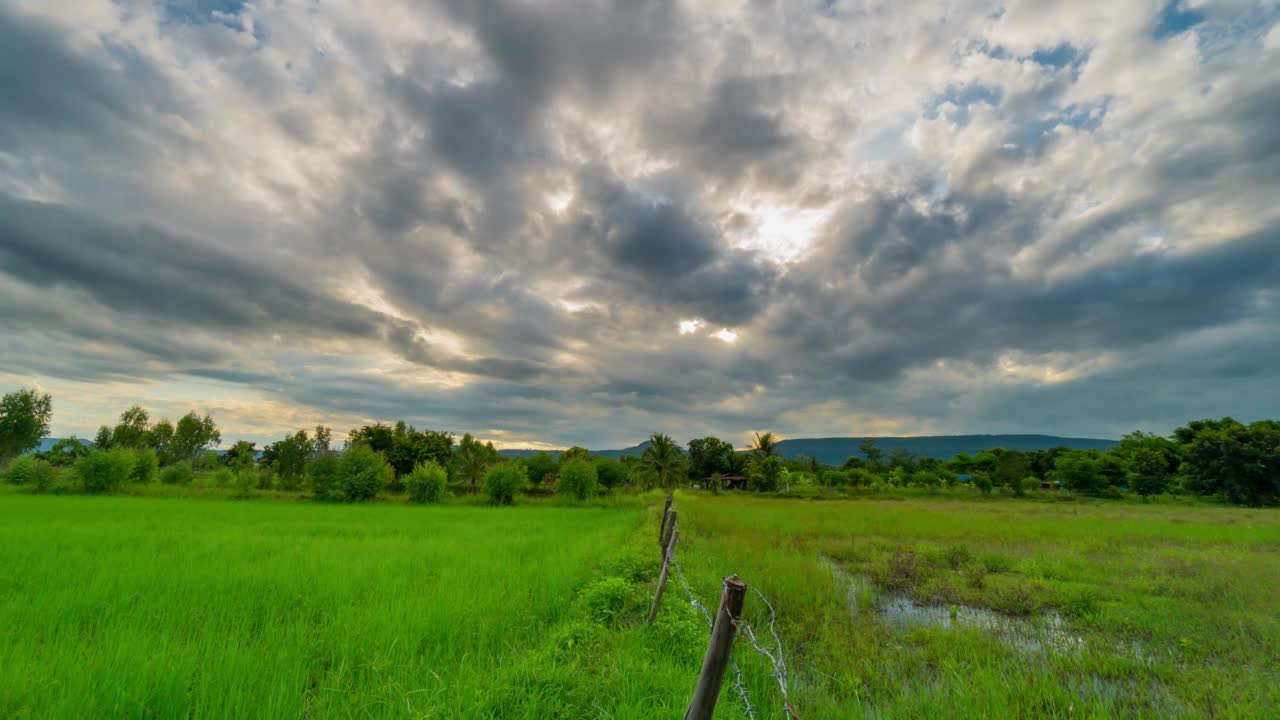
(543, 50)
(149, 271)
(734, 132)
(661, 252)
(535, 195)
(50, 88)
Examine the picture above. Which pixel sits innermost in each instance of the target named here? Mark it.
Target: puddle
(1047, 632)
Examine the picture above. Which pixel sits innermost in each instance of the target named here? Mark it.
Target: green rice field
(124, 607)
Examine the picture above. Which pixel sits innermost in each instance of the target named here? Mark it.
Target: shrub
(322, 476)
(362, 474)
(104, 470)
(20, 470)
(503, 480)
(178, 473)
(426, 482)
(244, 480)
(982, 481)
(607, 600)
(222, 477)
(904, 570)
(577, 478)
(145, 466)
(1030, 484)
(957, 556)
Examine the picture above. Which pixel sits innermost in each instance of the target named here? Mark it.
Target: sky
(560, 223)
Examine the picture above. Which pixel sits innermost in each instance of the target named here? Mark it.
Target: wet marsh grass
(1174, 606)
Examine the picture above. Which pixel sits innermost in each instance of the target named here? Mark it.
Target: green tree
(1079, 471)
(540, 468)
(146, 465)
(102, 441)
(291, 455)
(322, 476)
(67, 450)
(765, 474)
(663, 460)
(709, 456)
(575, 453)
(1010, 469)
(131, 431)
(320, 441)
(426, 482)
(378, 437)
(363, 473)
(161, 439)
(871, 452)
(473, 459)
(105, 470)
(411, 447)
(1239, 462)
(611, 473)
(24, 420)
(578, 478)
(764, 444)
(192, 436)
(241, 455)
(503, 480)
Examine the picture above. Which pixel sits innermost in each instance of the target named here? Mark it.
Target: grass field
(170, 607)
(950, 608)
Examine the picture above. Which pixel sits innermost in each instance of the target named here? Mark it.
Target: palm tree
(473, 459)
(663, 460)
(765, 445)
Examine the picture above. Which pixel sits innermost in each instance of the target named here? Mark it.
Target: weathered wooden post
(668, 527)
(703, 704)
(662, 576)
(662, 524)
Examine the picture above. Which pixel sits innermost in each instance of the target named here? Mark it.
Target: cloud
(542, 222)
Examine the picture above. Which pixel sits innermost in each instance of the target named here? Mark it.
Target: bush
(426, 482)
(982, 481)
(104, 470)
(244, 480)
(20, 470)
(26, 470)
(957, 556)
(577, 478)
(606, 601)
(145, 466)
(503, 480)
(223, 478)
(1030, 484)
(363, 473)
(322, 476)
(178, 473)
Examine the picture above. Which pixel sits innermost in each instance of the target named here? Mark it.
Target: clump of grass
(958, 556)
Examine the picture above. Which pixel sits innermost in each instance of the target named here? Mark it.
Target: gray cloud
(495, 215)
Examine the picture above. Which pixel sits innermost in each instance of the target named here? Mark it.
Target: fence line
(775, 655)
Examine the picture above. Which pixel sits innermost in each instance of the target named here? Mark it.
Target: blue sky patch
(1175, 20)
(962, 96)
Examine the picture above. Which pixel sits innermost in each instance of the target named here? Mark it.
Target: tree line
(1226, 459)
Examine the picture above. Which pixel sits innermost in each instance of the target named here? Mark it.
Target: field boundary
(728, 621)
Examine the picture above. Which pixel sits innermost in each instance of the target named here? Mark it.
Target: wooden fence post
(669, 527)
(662, 524)
(707, 691)
(662, 576)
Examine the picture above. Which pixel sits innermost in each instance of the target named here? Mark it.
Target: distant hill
(834, 451)
(524, 452)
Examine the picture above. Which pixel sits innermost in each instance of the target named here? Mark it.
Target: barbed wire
(777, 657)
(738, 686)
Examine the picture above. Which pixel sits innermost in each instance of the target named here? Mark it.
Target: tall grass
(130, 607)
